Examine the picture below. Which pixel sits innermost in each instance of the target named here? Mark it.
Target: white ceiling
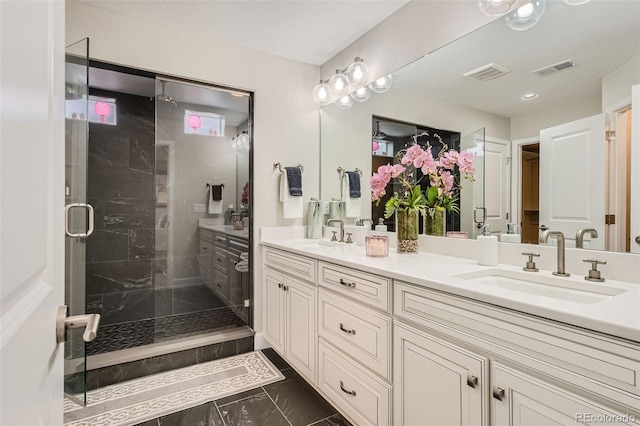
(598, 36)
(303, 30)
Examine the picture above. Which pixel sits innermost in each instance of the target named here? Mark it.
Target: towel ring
(278, 166)
(342, 171)
(208, 185)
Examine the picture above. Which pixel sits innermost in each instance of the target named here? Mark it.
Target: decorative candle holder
(377, 245)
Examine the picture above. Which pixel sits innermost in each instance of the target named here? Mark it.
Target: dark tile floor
(290, 402)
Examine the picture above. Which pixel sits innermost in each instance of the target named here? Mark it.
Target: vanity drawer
(238, 246)
(592, 361)
(220, 259)
(291, 264)
(361, 332)
(206, 236)
(361, 396)
(219, 239)
(363, 287)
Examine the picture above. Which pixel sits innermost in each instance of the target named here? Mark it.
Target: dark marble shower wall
(121, 252)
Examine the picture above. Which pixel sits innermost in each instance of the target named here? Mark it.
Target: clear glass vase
(407, 230)
(435, 222)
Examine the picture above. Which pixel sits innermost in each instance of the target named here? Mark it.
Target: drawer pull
(218, 259)
(472, 381)
(343, 282)
(345, 330)
(498, 393)
(346, 391)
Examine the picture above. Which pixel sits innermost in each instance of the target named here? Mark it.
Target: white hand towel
(214, 207)
(352, 206)
(292, 207)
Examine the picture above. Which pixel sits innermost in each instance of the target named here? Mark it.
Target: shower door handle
(67, 209)
(90, 322)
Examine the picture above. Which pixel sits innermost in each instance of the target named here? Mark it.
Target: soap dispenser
(487, 247)
(381, 226)
(512, 235)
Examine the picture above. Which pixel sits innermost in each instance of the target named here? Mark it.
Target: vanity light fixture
(382, 84)
(355, 76)
(362, 94)
(321, 93)
(495, 7)
(345, 102)
(338, 84)
(241, 142)
(526, 16)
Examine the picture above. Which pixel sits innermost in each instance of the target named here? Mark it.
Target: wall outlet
(199, 208)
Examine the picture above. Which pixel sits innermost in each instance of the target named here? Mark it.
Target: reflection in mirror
(599, 65)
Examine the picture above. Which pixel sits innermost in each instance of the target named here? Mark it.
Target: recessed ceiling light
(529, 96)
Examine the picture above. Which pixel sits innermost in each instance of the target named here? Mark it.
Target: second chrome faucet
(544, 237)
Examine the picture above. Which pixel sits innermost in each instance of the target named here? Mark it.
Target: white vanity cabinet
(437, 383)
(542, 372)
(290, 312)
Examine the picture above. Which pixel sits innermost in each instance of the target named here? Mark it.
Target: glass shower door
(78, 213)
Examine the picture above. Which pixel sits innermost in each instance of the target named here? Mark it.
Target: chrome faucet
(341, 227)
(544, 236)
(580, 236)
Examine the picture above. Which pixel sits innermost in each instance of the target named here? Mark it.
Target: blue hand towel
(294, 178)
(354, 184)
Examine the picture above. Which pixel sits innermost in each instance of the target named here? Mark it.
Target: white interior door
(572, 179)
(496, 188)
(31, 210)
(635, 169)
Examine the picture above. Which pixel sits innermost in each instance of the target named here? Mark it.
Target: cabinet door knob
(352, 392)
(345, 330)
(343, 282)
(498, 393)
(472, 381)
(285, 287)
(279, 285)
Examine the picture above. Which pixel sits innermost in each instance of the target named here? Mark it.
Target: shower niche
(148, 166)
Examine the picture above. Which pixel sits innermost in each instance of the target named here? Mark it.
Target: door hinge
(610, 219)
(508, 160)
(247, 303)
(610, 135)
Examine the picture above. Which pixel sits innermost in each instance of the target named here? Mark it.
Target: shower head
(377, 134)
(162, 97)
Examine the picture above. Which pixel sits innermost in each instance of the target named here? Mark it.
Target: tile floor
(291, 402)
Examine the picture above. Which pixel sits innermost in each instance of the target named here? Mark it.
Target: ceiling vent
(555, 67)
(487, 72)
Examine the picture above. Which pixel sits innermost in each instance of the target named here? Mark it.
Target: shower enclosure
(152, 146)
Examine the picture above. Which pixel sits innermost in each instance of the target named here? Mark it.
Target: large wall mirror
(550, 158)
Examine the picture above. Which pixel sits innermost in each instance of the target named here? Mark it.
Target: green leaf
(432, 196)
(391, 206)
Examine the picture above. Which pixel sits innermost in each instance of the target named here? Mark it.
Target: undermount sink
(533, 283)
(321, 244)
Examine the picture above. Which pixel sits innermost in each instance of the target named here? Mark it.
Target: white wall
(616, 85)
(529, 126)
(286, 127)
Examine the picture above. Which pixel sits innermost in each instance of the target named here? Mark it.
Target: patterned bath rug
(146, 398)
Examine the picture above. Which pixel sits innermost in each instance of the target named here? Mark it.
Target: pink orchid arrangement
(443, 190)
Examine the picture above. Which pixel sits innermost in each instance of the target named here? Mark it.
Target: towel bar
(278, 166)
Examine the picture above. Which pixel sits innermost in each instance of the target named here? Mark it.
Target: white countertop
(616, 315)
(227, 229)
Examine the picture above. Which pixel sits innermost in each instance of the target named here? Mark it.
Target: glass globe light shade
(321, 93)
(243, 141)
(338, 84)
(382, 84)
(358, 73)
(495, 7)
(362, 94)
(526, 16)
(345, 102)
